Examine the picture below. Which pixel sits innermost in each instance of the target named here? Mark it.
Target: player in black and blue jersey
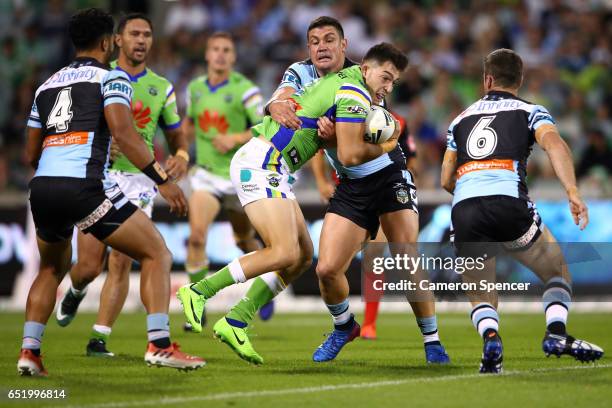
(68, 143)
(484, 168)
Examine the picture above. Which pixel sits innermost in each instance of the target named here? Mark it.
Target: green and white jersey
(232, 106)
(153, 104)
(341, 96)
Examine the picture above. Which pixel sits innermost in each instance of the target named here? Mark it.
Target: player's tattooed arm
(33, 146)
(448, 176)
(560, 157)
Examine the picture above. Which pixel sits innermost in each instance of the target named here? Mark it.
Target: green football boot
(193, 306)
(234, 334)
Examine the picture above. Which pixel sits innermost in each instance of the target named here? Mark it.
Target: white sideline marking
(323, 388)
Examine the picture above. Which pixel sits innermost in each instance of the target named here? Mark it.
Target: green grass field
(389, 371)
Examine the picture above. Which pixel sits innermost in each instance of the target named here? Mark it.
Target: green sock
(198, 276)
(100, 336)
(258, 295)
(211, 285)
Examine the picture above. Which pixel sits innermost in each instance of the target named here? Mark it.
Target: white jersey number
(482, 140)
(61, 114)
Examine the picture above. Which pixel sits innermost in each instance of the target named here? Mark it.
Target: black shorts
(60, 203)
(512, 222)
(364, 200)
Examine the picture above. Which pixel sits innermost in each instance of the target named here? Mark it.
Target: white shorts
(137, 187)
(222, 188)
(259, 171)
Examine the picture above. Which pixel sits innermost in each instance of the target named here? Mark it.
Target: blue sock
(158, 329)
(341, 314)
(429, 329)
(556, 300)
(32, 335)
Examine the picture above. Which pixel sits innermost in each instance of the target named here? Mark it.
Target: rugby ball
(380, 125)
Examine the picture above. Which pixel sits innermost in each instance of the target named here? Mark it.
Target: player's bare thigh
(277, 223)
(544, 258)
(340, 240)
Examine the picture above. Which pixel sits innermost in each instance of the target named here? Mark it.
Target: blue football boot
(334, 343)
(581, 350)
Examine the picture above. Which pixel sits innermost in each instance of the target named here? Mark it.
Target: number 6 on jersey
(61, 114)
(482, 139)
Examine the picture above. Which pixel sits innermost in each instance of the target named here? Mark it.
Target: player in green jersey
(221, 107)
(153, 105)
(262, 173)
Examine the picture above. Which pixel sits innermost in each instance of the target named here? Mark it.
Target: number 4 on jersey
(482, 140)
(61, 114)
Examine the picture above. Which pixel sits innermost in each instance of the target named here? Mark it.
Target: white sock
(105, 330)
(236, 271)
(274, 282)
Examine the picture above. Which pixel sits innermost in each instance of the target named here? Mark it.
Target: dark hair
(384, 52)
(221, 34)
(87, 27)
(506, 68)
(129, 17)
(325, 21)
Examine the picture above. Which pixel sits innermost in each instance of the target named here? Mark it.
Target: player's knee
(326, 271)
(85, 271)
(306, 256)
(285, 257)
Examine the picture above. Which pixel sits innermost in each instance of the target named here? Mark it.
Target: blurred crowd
(565, 45)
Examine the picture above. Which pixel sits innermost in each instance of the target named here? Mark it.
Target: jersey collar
(503, 94)
(215, 88)
(135, 77)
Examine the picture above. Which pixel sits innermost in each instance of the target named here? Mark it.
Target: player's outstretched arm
(448, 176)
(560, 157)
(353, 150)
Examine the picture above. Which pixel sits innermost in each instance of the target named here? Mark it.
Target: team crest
(152, 91)
(273, 179)
(402, 196)
(228, 98)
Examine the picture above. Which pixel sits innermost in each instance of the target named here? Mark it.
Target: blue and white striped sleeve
(34, 118)
(117, 88)
(538, 117)
(450, 138)
(293, 78)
